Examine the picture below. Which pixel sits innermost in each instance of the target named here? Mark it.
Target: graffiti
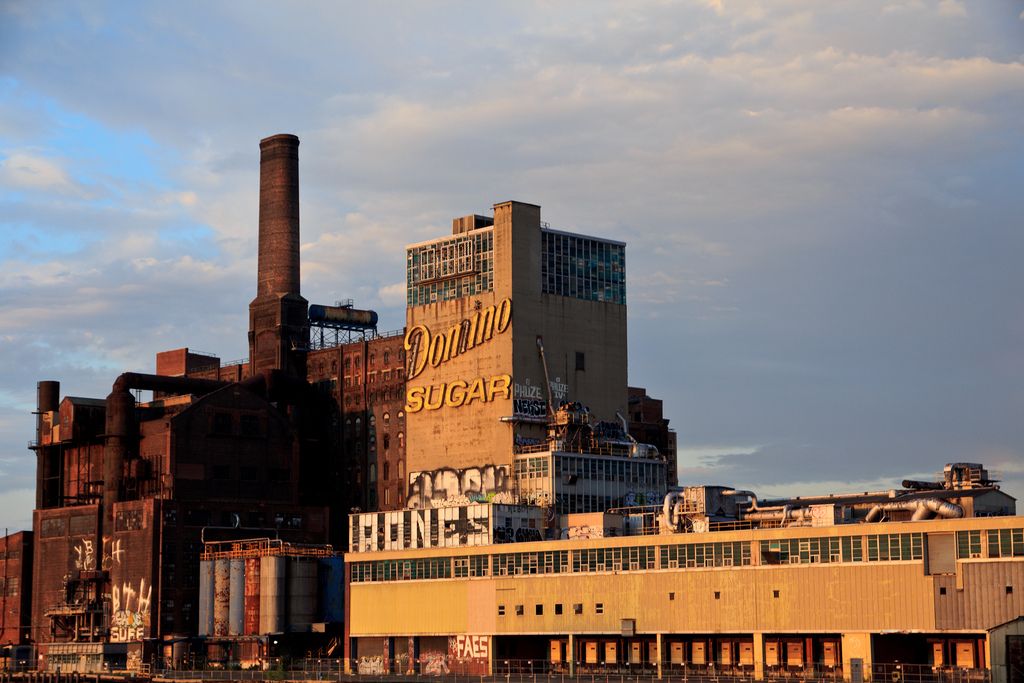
(583, 531)
(634, 498)
(473, 484)
(85, 555)
(130, 611)
(559, 389)
(527, 390)
(530, 407)
(134, 662)
(113, 552)
(434, 663)
(371, 665)
(507, 535)
(469, 647)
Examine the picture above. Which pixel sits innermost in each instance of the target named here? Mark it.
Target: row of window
(450, 269)
(538, 609)
(1000, 543)
(646, 473)
(583, 267)
(531, 468)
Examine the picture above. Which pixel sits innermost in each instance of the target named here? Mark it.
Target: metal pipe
(923, 509)
(748, 494)
(120, 433)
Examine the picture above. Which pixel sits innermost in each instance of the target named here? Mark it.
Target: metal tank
(343, 316)
(236, 601)
(221, 596)
(206, 597)
(251, 603)
(301, 593)
(332, 589)
(272, 594)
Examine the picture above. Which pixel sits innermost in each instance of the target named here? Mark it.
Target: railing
(542, 671)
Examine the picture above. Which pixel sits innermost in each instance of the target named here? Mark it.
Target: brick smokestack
(278, 271)
(278, 316)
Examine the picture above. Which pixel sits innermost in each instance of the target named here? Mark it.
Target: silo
(251, 625)
(221, 596)
(301, 593)
(236, 605)
(272, 594)
(205, 597)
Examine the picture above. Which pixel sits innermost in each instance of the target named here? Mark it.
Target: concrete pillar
(572, 655)
(758, 655)
(661, 654)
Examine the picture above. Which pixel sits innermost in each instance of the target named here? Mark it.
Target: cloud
(23, 170)
(820, 202)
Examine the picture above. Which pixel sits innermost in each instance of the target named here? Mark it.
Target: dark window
(558, 608)
(775, 594)
(942, 590)
(247, 473)
(577, 608)
(581, 361)
(599, 608)
(540, 609)
(519, 610)
(1009, 590)
(222, 423)
(278, 474)
(671, 596)
(718, 595)
(221, 472)
(501, 610)
(250, 425)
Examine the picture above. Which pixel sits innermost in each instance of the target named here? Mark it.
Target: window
(519, 610)
(942, 590)
(671, 596)
(501, 610)
(577, 608)
(222, 423)
(599, 608)
(450, 268)
(558, 608)
(250, 425)
(581, 361)
(539, 609)
(718, 595)
(775, 594)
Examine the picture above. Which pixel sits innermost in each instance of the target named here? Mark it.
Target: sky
(822, 202)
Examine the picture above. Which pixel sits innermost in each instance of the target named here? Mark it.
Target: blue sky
(821, 200)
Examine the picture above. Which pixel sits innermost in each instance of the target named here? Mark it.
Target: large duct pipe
(120, 436)
(923, 509)
(278, 267)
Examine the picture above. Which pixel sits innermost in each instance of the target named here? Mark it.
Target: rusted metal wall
(252, 596)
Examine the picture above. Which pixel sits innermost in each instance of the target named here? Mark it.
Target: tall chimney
(279, 216)
(278, 316)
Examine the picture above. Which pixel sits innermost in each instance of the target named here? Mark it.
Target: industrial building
(479, 489)
(846, 586)
(274, 449)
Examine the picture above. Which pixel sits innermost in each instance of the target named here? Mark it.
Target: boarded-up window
(591, 648)
(636, 653)
(726, 653)
(771, 653)
(697, 654)
(54, 526)
(676, 653)
(965, 654)
(941, 553)
(747, 653)
(794, 654)
(611, 653)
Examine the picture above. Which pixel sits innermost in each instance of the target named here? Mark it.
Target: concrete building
(823, 586)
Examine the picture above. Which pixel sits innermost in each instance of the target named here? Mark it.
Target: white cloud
(29, 171)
